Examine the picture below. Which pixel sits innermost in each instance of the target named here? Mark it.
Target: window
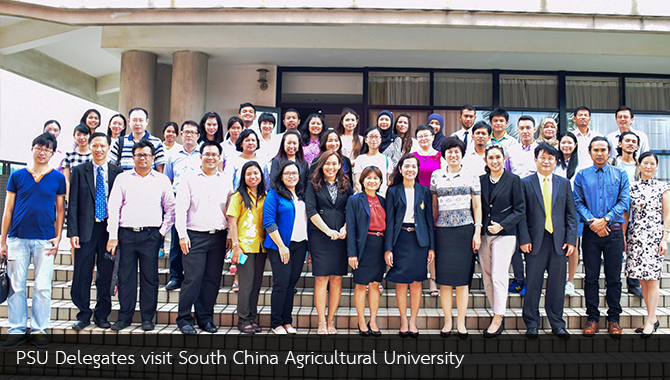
(525, 91)
(404, 89)
(322, 88)
(594, 93)
(648, 94)
(457, 89)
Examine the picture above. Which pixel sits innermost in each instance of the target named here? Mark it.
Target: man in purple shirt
(521, 161)
(201, 223)
(141, 212)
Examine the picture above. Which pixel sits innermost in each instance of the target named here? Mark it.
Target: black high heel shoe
(403, 334)
(640, 329)
(364, 333)
(462, 336)
(500, 330)
(643, 335)
(374, 333)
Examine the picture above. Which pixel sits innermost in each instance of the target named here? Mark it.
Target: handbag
(4, 280)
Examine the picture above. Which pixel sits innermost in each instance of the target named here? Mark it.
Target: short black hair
(452, 142)
(45, 139)
(600, 138)
(482, 124)
(247, 104)
(292, 110)
(243, 135)
(100, 134)
(146, 114)
(499, 112)
(424, 127)
(82, 128)
(171, 124)
(52, 121)
(583, 108)
(191, 123)
(468, 107)
(267, 116)
(207, 143)
(143, 144)
(647, 154)
(624, 108)
(526, 117)
(544, 147)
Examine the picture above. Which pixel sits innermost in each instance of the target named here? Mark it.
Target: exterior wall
(230, 85)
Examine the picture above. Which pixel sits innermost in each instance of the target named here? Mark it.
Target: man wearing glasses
(138, 119)
(141, 212)
(31, 226)
(185, 160)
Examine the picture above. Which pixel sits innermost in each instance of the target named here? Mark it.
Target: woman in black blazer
(366, 224)
(503, 208)
(331, 141)
(325, 203)
(409, 241)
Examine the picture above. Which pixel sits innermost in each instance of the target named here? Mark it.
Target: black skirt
(371, 265)
(409, 260)
(329, 257)
(453, 255)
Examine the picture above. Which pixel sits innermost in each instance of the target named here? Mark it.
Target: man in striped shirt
(138, 118)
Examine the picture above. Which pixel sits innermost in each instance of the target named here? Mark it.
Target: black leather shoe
(636, 290)
(188, 330)
(363, 333)
(645, 336)
(403, 334)
(500, 330)
(102, 323)
(561, 333)
(374, 333)
(80, 325)
(532, 333)
(462, 336)
(413, 335)
(147, 325)
(248, 329)
(120, 325)
(209, 327)
(640, 329)
(172, 285)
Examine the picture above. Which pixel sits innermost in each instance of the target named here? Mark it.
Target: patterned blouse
(75, 158)
(454, 197)
(311, 150)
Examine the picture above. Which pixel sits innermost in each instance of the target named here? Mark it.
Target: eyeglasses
(424, 136)
(140, 155)
(291, 174)
(374, 138)
(43, 150)
(186, 133)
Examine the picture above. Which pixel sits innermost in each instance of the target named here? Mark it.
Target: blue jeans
(19, 252)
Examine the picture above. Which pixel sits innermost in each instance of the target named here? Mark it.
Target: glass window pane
(401, 89)
(594, 93)
(522, 91)
(322, 88)
(457, 89)
(648, 94)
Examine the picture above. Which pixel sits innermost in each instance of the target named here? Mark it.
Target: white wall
(25, 106)
(230, 85)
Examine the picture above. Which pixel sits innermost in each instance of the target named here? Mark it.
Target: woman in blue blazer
(409, 241)
(366, 224)
(503, 207)
(285, 221)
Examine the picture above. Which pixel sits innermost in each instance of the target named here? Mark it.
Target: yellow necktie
(546, 197)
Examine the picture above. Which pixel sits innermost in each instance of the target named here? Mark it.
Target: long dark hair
(109, 130)
(407, 137)
(365, 148)
(324, 140)
(340, 129)
(299, 154)
(341, 179)
(574, 157)
(244, 190)
(304, 128)
(281, 189)
(218, 136)
(396, 176)
(85, 115)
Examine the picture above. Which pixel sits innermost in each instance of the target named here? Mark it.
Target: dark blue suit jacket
(396, 205)
(563, 215)
(358, 223)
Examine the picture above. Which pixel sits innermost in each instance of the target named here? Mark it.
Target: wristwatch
(607, 219)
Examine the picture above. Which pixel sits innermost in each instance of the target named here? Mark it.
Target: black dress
(329, 257)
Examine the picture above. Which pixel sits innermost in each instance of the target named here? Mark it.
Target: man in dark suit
(90, 185)
(547, 235)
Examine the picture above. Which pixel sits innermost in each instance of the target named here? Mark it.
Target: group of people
(423, 206)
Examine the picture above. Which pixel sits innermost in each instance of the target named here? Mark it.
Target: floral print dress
(645, 229)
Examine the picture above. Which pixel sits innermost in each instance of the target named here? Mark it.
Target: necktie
(546, 197)
(465, 140)
(100, 198)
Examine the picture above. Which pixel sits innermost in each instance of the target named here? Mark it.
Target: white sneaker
(279, 330)
(569, 289)
(291, 330)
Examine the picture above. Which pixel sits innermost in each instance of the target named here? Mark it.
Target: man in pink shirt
(141, 212)
(201, 224)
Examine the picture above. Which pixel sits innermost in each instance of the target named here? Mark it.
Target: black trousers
(203, 266)
(284, 278)
(546, 259)
(176, 265)
(610, 247)
(139, 247)
(92, 253)
(250, 279)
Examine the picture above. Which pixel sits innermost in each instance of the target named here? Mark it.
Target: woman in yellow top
(245, 220)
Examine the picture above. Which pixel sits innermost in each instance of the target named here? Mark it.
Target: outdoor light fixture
(262, 78)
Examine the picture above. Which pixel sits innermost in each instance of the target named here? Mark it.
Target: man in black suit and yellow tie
(90, 185)
(547, 236)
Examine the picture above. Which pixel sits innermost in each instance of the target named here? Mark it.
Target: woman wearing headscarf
(548, 132)
(437, 122)
(391, 145)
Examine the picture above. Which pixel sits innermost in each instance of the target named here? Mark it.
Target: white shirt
(409, 210)
(300, 222)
